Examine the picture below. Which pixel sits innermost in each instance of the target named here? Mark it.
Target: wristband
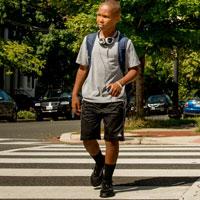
(120, 85)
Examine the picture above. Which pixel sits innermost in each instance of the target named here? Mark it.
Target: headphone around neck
(107, 41)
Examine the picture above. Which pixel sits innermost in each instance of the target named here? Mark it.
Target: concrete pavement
(162, 136)
(188, 136)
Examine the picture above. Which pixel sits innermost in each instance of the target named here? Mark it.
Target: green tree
(20, 56)
(54, 29)
(162, 24)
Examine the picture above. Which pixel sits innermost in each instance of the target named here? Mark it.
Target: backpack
(122, 53)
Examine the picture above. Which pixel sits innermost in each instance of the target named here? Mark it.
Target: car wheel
(185, 116)
(39, 117)
(74, 116)
(55, 118)
(13, 118)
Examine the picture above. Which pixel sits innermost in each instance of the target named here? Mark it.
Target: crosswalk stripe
(121, 149)
(129, 146)
(20, 143)
(21, 139)
(44, 154)
(87, 172)
(89, 160)
(83, 192)
(181, 154)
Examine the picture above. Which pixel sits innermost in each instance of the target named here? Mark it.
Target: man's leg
(112, 151)
(114, 132)
(92, 147)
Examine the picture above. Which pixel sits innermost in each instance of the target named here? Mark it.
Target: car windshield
(65, 95)
(56, 94)
(156, 99)
(196, 98)
(53, 94)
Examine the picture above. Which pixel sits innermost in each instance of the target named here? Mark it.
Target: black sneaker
(107, 189)
(97, 176)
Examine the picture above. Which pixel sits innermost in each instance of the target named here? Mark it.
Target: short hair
(115, 4)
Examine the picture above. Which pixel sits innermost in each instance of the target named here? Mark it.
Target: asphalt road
(41, 170)
(38, 130)
(31, 162)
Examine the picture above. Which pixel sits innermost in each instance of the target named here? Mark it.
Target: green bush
(23, 114)
(198, 124)
(155, 123)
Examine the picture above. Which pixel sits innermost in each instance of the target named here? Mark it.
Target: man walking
(102, 81)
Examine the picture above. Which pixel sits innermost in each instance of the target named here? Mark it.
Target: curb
(74, 138)
(193, 193)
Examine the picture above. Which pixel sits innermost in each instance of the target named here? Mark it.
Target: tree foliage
(20, 56)
(54, 30)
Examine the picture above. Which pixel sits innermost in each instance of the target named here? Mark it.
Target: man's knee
(91, 146)
(112, 143)
(89, 142)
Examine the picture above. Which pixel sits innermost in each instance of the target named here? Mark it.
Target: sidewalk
(149, 136)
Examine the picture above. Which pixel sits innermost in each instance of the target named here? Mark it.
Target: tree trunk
(140, 90)
(1, 78)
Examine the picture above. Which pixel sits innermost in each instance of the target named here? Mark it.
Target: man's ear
(118, 18)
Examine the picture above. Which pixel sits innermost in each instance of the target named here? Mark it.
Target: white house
(20, 82)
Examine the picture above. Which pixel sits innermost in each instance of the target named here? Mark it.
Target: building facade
(17, 82)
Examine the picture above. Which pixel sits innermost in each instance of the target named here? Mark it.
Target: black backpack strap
(89, 44)
(122, 62)
(122, 52)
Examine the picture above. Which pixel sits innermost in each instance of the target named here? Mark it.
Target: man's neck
(106, 33)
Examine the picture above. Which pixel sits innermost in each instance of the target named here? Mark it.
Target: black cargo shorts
(112, 115)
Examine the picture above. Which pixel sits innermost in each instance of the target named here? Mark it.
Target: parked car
(8, 107)
(55, 103)
(23, 100)
(181, 104)
(158, 104)
(131, 108)
(192, 107)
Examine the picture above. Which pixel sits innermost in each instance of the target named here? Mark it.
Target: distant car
(8, 107)
(181, 105)
(55, 103)
(24, 101)
(131, 108)
(158, 104)
(192, 107)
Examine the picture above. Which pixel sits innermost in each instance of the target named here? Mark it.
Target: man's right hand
(76, 105)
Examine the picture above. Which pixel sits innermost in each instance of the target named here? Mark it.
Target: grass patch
(198, 124)
(155, 123)
(27, 115)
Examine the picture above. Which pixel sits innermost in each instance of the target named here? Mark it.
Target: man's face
(106, 19)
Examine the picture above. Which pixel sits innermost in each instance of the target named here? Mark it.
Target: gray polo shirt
(104, 69)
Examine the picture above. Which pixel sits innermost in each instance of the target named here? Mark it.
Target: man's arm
(129, 77)
(80, 78)
(116, 87)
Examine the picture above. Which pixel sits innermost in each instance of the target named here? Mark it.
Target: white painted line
(19, 139)
(89, 160)
(121, 149)
(87, 172)
(180, 154)
(61, 145)
(83, 192)
(193, 193)
(21, 143)
(130, 145)
(20, 149)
